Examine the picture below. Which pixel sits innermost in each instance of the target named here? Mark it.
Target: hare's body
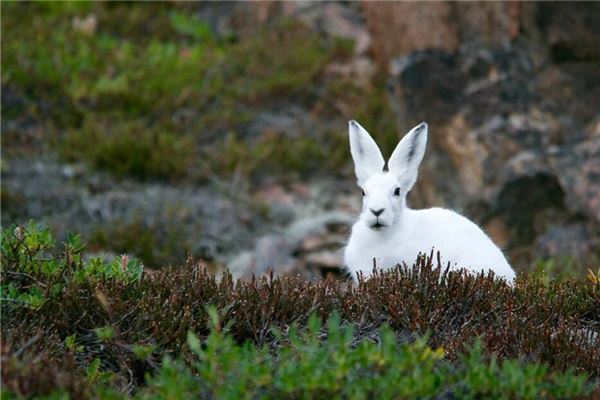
(459, 241)
(388, 233)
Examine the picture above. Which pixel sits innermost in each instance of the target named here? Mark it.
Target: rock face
(404, 27)
(413, 25)
(568, 242)
(510, 91)
(572, 32)
(512, 137)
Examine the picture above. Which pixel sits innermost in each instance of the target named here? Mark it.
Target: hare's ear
(365, 153)
(407, 156)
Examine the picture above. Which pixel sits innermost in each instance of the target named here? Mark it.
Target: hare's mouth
(377, 226)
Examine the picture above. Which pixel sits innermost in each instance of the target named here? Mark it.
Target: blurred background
(220, 129)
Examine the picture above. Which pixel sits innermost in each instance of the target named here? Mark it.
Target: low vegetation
(167, 98)
(90, 328)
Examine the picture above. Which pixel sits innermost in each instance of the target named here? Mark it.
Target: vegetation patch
(129, 147)
(139, 107)
(94, 329)
(155, 244)
(273, 152)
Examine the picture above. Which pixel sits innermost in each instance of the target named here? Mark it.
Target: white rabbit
(389, 233)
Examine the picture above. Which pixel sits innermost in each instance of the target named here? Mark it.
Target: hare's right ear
(407, 156)
(365, 153)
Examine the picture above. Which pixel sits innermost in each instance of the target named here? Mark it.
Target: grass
(106, 330)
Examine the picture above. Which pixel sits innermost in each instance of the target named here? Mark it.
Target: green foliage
(119, 97)
(273, 152)
(316, 362)
(139, 237)
(184, 25)
(129, 148)
(29, 254)
(142, 352)
(73, 326)
(71, 344)
(307, 365)
(105, 333)
(29, 248)
(516, 379)
(32, 298)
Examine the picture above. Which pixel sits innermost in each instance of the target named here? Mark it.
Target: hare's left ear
(407, 156)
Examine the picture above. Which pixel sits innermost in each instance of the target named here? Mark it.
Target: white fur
(406, 232)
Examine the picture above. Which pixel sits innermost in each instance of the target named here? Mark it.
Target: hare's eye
(363, 192)
(397, 192)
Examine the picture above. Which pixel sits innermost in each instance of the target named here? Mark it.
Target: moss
(130, 237)
(110, 69)
(565, 267)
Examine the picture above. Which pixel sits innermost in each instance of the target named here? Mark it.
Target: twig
(27, 344)
(22, 302)
(24, 275)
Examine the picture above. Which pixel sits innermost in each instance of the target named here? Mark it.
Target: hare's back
(459, 240)
(444, 221)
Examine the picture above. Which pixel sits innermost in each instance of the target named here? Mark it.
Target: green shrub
(307, 365)
(33, 272)
(318, 362)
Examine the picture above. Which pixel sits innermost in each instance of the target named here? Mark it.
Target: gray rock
(576, 242)
(272, 252)
(307, 247)
(317, 224)
(207, 220)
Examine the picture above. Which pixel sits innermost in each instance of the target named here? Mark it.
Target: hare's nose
(377, 213)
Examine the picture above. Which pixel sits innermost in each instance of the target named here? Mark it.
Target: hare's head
(384, 191)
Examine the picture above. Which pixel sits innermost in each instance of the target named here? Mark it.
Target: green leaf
(142, 352)
(105, 333)
(194, 343)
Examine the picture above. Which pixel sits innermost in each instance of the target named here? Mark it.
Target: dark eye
(397, 192)
(362, 191)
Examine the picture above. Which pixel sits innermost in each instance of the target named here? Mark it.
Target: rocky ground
(249, 230)
(514, 142)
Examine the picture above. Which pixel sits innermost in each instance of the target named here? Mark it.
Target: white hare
(389, 233)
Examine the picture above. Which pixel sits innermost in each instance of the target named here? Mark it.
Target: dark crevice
(521, 199)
